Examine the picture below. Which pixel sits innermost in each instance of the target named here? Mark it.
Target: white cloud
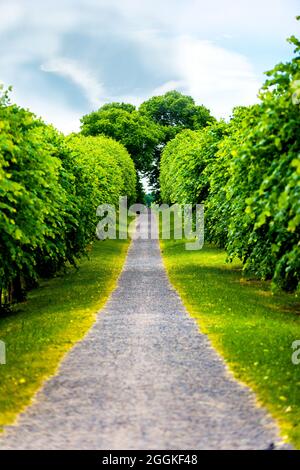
(10, 14)
(205, 19)
(186, 45)
(214, 76)
(79, 75)
(59, 114)
(65, 119)
(259, 18)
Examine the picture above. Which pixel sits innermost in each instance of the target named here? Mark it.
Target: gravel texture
(143, 378)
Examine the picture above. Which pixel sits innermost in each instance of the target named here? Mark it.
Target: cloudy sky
(65, 58)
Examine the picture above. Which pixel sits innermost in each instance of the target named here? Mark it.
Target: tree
(138, 133)
(184, 162)
(50, 187)
(264, 186)
(32, 201)
(248, 174)
(115, 105)
(174, 112)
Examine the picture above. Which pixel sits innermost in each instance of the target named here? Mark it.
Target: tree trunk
(17, 289)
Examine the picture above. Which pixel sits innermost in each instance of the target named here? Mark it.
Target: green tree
(138, 133)
(264, 186)
(248, 175)
(32, 201)
(218, 202)
(116, 105)
(174, 112)
(185, 159)
(50, 188)
(103, 172)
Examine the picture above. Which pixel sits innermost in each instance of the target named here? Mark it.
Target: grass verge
(40, 331)
(252, 329)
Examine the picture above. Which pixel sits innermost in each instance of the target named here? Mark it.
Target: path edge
(232, 376)
(39, 390)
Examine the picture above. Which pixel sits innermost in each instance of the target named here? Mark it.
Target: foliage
(31, 198)
(248, 175)
(149, 199)
(116, 105)
(103, 171)
(264, 228)
(50, 188)
(137, 133)
(140, 192)
(183, 162)
(218, 202)
(174, 112)
(144, 132)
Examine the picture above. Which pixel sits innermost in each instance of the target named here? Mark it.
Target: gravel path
(143, 378)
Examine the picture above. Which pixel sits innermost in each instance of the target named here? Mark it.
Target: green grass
(40, 331)
(249, 326)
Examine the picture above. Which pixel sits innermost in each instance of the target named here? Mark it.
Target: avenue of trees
(247, 174)
(50, 187)
(145, 131)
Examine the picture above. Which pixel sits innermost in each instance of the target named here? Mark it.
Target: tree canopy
(247, 173)
(144, 132)
(50, 187)
(174, 112)
(138, 133)
(177, 111)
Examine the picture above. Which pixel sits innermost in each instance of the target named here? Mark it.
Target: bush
(183, 163)
(50, 188)
(248, 175)
(31, 198)
(103, 172)
(265, 182)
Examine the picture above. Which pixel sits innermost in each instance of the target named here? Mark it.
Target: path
(143, 378)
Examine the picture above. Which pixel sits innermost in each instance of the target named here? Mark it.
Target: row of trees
(50, 187)
(145, 131)
(247, 173)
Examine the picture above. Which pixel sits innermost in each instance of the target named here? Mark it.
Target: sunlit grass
(252, 328)
(41, 330)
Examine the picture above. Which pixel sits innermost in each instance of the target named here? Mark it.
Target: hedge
(50, 187)
(247, 173)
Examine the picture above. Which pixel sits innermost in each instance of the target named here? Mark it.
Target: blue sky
(65, 58)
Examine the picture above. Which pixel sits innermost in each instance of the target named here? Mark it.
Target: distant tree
(145, 132)
(121, 121)
(174, 112)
